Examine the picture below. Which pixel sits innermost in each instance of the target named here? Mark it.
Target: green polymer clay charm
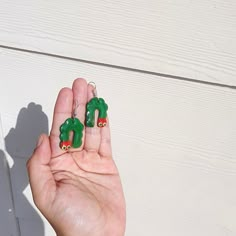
(74, 125)
(93, 105)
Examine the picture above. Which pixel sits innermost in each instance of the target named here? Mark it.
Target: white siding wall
(167, 70)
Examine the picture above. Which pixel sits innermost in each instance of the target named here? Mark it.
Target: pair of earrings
(74, 125)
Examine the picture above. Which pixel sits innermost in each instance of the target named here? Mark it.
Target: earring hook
(95, 94)
(76, 105)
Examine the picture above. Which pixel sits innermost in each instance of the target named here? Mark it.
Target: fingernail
(40, 140)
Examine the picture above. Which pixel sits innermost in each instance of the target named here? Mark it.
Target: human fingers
(105, 149)
(79, 89)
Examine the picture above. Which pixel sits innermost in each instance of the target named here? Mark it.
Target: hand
(78, 191)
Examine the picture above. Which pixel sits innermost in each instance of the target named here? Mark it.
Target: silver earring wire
(95, 94)
(76, 105)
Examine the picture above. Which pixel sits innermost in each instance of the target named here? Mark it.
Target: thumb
(40, 176)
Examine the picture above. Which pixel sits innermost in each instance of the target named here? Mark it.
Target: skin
(79, 191)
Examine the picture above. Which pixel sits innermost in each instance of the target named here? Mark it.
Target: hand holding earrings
(74, 125)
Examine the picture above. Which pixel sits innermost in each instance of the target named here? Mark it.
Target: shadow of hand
(20, 143)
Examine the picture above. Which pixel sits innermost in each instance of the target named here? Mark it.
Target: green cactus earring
(96, 104)
(71, 125)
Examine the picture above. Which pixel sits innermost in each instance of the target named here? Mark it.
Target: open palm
(78, 191)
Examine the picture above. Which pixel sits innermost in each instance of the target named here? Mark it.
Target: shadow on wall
(8, 224)
(20, 143)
